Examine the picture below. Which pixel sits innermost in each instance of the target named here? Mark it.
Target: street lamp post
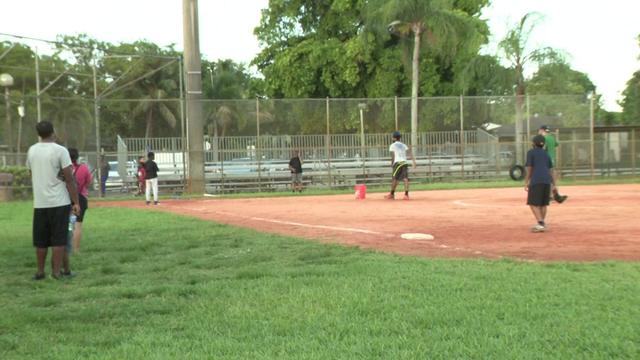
(6, 81)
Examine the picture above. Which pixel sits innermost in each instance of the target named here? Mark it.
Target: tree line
(310, 49)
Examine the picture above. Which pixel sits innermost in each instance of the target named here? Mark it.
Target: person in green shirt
(550, 146)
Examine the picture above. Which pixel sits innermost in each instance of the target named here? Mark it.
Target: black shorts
(51, 226)
(400, 171)
(539, 195)
(84, 205)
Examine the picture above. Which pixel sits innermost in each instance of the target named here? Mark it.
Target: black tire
(517, 172)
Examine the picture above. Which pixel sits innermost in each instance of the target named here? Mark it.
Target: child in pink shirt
(83, 180)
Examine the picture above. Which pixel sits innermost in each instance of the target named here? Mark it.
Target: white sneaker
(538, 228)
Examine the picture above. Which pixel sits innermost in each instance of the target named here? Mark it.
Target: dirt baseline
(596, 223)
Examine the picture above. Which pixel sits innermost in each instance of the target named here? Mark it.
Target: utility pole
(193, 71)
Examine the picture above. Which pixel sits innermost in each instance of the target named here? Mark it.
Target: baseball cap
(545, 128)
(538, 140)
(396, 134)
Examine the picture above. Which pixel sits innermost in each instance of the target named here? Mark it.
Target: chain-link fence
(248, 143)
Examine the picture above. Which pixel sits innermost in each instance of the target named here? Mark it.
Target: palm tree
(514, 49)
(220, 118)
(438, 20)
(228, 80)
(153, 107)
(225, 116)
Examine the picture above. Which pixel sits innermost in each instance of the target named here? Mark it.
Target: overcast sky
(600, 36)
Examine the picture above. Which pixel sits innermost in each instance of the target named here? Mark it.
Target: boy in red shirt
(142, 174)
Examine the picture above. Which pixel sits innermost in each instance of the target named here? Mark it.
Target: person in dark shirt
(550, 145)
(104, 169)
(295, 166)
(538, 182)
(151, 178)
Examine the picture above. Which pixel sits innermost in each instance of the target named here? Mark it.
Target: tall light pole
(19, 140)
(193, 70)
(6, 81)
(216, 155)
(362, 107)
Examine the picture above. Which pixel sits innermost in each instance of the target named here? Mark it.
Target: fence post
(528, 115)
(96, 112)
(258, 144)
(518, 134)
(328, 144)
(591, 135)
(462, 136)
(430, 160)
(362, 107)
(182, 127)
(633, 152)
(497, 152)
(606, 166)
(395, 105)
(38, 102)
(558, 164)
(573, 154)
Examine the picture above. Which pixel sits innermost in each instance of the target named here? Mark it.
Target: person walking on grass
(83, 178)
(400, 168)
(151, 178)
(295, 166)
(104, 176)
(550, 147)
(538, 182)
(54, 190)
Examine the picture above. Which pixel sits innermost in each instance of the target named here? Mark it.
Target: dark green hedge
(21, 181)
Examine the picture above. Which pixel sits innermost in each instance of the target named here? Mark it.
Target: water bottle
(72, 222)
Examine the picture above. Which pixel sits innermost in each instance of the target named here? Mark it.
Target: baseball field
(330, 277)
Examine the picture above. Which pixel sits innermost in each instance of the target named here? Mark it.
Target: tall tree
(318, 49)
(151, 107)
(631, 99)
(440, 22)
(557, 78)
(224, 80)
(514, 47)
(559, 94)
(72, 119)
(334, 48)
(313, 49)
(483, 75)
(17, 61)
(84, 50)
(151, 75)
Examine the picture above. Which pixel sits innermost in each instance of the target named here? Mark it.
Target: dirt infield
(596, 223)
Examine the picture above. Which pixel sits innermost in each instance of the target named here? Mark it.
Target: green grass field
(155, 285)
